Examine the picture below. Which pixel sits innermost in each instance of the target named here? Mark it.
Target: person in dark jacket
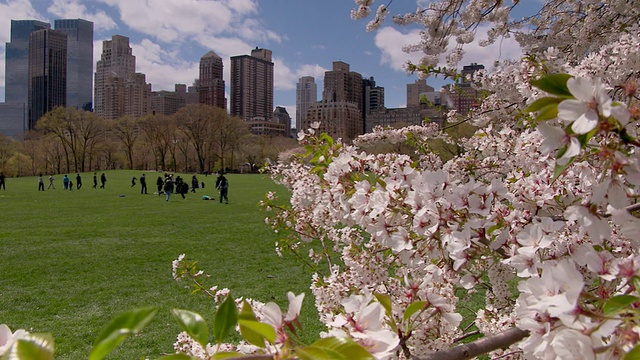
(159, 184)
(222, 184)
(194, 184)
(103, 180)
(143, 184)
(168, 187)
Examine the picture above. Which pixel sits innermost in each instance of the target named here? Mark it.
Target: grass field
(73, 260)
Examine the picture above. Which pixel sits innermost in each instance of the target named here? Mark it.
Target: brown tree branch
(480, 346)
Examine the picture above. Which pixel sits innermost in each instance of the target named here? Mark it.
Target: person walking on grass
(2, 181)
(143, 184)
(194, 183)
(51, 183)
(65, 182)
(40, 183)
(103, 180)
(159, 184)
(168, 187)
(95, 180)
(133, 181)
(70, 185)
(222, 184)
(78, 181)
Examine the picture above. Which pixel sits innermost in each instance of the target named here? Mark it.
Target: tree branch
(480, 346)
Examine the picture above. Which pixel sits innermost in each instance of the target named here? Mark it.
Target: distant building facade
(119, 90)
(79, 62)
(47, 73)
(17, 77)
(415, 91)
(211, 88)
(339, 119)
(306, 95)
(169, 102)
(17, 59)
(251, 86)
(463, 97)
(340, 111)
(13, 121)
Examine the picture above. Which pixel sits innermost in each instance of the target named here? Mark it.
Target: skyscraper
(252, 86)
(79, 61)
(47, 72)
(17, 60)
(306, 95)
(119, 90)
(211, 89)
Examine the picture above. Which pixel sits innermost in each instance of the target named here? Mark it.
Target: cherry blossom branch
(480, 346)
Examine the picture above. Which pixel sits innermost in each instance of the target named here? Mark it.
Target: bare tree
(127, 130)
(158, 133)
(196, 121)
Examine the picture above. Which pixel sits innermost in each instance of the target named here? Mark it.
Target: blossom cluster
(537, 214)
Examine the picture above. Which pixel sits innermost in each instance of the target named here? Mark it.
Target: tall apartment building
(211, 81)
(341, 84)
(119, 90)
(79, 62)
(415, 91)
(47, 73)
(340, 111)
(306, 95)
(251, 86)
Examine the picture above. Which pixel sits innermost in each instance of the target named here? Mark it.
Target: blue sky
(168, 38)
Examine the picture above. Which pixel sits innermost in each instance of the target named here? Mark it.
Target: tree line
(198, 138)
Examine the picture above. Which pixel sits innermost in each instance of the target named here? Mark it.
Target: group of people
(166, 185)
(67, 183)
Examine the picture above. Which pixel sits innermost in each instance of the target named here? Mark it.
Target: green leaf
(385, 301)
(193, 324)
(542, 103)
(547, 113)
(32, 347)
(125, 325)
(413, 308)
(333, 348)
(256, 332)
(247, 312)
(554, 84)
(618, 303)
(634, 354)
(225, 320)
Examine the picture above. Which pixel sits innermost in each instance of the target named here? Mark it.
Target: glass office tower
(79, 61)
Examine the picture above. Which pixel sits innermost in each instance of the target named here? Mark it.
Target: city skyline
(169, 39)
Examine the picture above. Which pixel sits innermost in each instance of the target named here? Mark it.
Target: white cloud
(390, 42)
(163, 69)
(74, 9)
(169, 20)
(285, 78)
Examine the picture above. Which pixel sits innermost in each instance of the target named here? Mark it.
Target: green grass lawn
(74, 260)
